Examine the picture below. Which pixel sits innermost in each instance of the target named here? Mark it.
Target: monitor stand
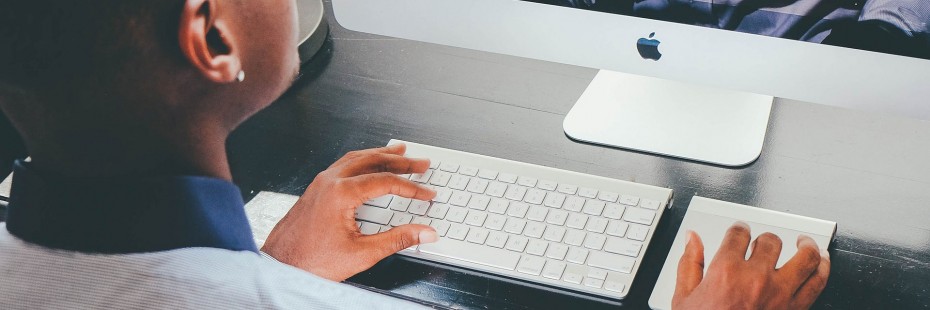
(677, 119)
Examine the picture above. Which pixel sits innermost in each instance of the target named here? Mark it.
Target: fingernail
(428, 236)
(825, 254)
(688, 236)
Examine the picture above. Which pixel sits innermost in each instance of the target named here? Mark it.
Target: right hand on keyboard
(319, 233)
(732, 282)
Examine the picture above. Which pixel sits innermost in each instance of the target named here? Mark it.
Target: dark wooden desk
(869, 173)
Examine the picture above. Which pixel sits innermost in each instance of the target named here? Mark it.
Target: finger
(734, 244)
(807, 294)
(396, 149)
(690, 267)
(378, 246)
(369, 186)
(765, 251)
(382, 162)
(804, 262)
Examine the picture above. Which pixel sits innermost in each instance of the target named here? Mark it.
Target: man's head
(116, 84)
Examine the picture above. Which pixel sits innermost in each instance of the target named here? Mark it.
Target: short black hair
(58, 45)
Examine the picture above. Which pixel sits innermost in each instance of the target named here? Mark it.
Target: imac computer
(693, 79)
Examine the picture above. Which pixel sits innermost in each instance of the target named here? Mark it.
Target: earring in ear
(241, 76)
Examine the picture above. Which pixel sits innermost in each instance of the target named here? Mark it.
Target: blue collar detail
(124, 215)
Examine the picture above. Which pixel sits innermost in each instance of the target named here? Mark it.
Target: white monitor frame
(723, 59)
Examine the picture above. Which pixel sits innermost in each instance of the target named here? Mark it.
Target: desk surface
(868, 173)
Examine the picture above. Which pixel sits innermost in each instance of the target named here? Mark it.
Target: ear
(207, 42)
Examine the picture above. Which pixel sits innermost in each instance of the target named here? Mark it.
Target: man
(125, 106)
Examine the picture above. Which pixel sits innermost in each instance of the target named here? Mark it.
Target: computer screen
(897, 27)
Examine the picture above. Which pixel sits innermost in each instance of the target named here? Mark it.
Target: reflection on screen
(897, 27)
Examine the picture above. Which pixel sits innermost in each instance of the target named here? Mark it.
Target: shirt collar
(125, 215)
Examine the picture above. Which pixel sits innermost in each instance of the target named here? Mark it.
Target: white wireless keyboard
(551, 228)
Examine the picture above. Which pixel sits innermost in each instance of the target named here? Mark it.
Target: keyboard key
(459, 182)
(574, 237)
(553, 270)
(537, 213)
(623, 246)
(418, 207)
(577, 255)
(400, 204)
(438, 211)
(456, 214)
(597, 273)
(497, 239)
(594, 207)
(383, 229)
(637, 232)
(440, 178)
(650, 204)
(547, 185)
(629, 200)
(554, 200)
(554, 233)
(381, 202)
(518, 209)
(421, 220)
(469, 171)
(639, 215)
(422, 177)
(515, 192)
(595, 283)
(574, 204)
(514, 226)
(596, 224)
(608, 196)
(531, 265)
(479, 202)
(374, 215)
(594, 241)
(495, 222)
(517, 243)
(537, 247)
(434, 164)
(617, 228)
(577, 221)
(611, 262)
(442, 227)
(457, 231)
(496, 189)
(487, 174)
(526, 181)
(587, 192)
(477, 186)
(574, 273)
(535, 196)
(459, 198)
(475, 218)
(473, 253)
(507, 178)
(534, 229)
(369, 228)
(442, 195)
(557, 217)
(557, 251)
(614, 286)
(613, 211)
(498, 205)
(401, 219)
(449, 167)
(477, 235)
(567, 189)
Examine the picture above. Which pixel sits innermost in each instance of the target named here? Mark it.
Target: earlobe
(207, 42)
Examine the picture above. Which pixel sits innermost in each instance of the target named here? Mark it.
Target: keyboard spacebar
(473, 253)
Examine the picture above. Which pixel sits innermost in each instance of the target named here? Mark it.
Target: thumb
(398, 238)
(690, 267)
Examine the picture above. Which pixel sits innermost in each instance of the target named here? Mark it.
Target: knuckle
(738, 230)
(808, 255)
(769, 239)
